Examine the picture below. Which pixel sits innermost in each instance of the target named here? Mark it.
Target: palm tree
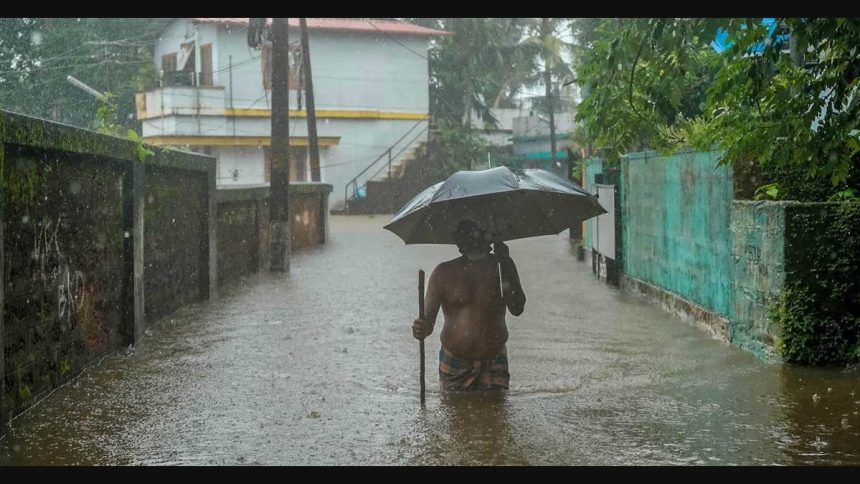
(545, 44)
(482, 66)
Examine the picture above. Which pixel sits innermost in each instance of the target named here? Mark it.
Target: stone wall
(72, 228)
(175, 234)
(243, 225)
(64, 272)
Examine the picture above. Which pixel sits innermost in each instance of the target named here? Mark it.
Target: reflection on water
(477, 429)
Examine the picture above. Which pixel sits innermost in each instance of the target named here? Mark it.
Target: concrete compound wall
(96, 244)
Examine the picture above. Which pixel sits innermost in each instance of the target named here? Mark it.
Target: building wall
(352, 71)
(535, 125)
(247, 162)
(182, 31)
(676, 217)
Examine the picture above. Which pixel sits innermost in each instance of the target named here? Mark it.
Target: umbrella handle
(501, 284)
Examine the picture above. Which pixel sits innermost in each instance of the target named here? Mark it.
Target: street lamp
(86, 88)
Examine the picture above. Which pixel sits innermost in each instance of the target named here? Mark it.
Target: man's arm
(422, 328)
(512, 290)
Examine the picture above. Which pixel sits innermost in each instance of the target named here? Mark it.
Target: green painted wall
(593, 166)
(758, 255)
(675, 233)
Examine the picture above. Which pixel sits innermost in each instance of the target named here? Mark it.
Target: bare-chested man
(473, 354)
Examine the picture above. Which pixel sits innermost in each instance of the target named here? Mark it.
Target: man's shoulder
(448, 264)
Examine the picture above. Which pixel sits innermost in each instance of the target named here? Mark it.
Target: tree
(792, 115)
(647, 79)
(550, 48)
(112, 54)
(481, 66)
(783, 95)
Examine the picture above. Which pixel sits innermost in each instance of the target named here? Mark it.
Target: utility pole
(547, 78)
(309, 96)
(279, 198)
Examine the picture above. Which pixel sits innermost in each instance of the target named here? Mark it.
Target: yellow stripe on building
(327, 113)
(234, 140)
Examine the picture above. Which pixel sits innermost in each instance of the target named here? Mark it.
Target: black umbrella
(508, 204)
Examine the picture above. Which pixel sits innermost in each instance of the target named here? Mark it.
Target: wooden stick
(421, 316)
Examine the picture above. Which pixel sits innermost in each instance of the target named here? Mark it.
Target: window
(295, 66)
(298, 163)
(186, 57)
(206, 65)
(168, 62)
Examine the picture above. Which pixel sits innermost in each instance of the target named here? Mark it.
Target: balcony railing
(185, 78)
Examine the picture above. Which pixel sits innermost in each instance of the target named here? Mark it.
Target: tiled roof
(351, 24)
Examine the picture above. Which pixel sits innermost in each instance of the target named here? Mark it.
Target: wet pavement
(319, 367)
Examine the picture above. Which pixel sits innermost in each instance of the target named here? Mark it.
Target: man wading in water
(473, 354)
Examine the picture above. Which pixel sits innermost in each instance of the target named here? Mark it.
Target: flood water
(320, 367)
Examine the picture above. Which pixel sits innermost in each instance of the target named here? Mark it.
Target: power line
(395, 40)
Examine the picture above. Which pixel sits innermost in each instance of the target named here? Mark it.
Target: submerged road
(320, 367)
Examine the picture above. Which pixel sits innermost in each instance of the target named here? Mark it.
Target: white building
(370, 80)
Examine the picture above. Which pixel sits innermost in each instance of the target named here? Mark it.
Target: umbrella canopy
(508, 204)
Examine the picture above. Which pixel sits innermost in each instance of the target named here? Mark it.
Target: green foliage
(462, 146)
(819, 312)
(486, 64)
(656, 83)
(24, 393)
(481, 66)
(22, 183)
(65, 366)
(105, 121)
(548, 49)
(844, 195)
(767, 192)
(106, 124)
(110, 54)
(646, 81)
(762, 103)
(142, 151)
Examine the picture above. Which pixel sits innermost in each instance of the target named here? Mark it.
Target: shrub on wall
(819, 309)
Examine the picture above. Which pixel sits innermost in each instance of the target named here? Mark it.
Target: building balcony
(180, 100)
(185, 78)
